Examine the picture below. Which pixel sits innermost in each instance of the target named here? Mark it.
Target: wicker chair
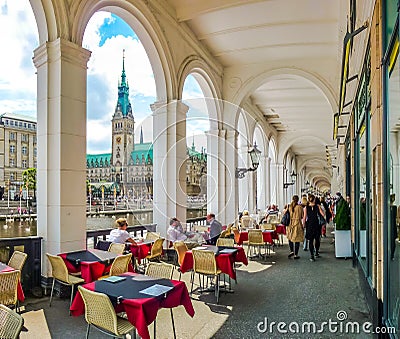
(162, 271)
(156, 250)
(100, 313)
(159, 270)
(116, 248)
(17, 260)
(267, 226)
(181, 249)
(256, 241)
(10, 323)
(119, 265)
(8, 288)
(152, 235)
(60, 273)
(236, 235)
(205, 265)
(225, 242)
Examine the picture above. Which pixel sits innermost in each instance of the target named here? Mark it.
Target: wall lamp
(287, 184)
(255, 161)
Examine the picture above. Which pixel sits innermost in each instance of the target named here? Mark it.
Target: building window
(6, 122)
(35, 152)
(24, 164)
(35, 164)
(20, 124)
(12, 148)
(12, 177)
(12, 162)
(11, 122)
(25, 137)
(34, 139)
(12, 135)
(24, 150)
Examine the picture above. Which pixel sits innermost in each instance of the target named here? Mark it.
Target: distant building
(18, 151)
(128, 170)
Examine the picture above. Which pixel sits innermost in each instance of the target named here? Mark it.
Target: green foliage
(29, 179)
(343, 218)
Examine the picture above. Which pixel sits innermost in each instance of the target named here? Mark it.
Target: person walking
(313, 229)
(295, 230)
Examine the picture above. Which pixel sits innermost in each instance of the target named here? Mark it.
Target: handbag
(321, 219)
(286, 219)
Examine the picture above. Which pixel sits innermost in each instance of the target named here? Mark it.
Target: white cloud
(19, 38)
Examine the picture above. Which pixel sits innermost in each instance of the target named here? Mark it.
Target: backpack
(286, 218)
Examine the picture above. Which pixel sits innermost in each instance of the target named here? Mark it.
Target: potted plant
(342, 222)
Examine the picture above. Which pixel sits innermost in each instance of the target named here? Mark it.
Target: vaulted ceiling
(292, 34)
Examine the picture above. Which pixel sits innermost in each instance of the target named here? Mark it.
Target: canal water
(28, 226)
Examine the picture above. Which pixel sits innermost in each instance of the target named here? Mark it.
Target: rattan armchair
(225, 242)
(181, 249)
(8, 288)
(10, 323)
(60, 273)
(267, 226)
(205, 265)
(256, 241)
(100, 313)
(116, 248)
(17, 260)
(120, 265)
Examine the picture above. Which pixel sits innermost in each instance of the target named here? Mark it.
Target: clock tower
(123, 125)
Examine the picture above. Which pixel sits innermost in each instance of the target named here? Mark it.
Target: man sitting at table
(215, 228)
(175, 233)
(120, 235)
(246, 221)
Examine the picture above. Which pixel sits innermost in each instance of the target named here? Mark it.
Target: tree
(29, 179)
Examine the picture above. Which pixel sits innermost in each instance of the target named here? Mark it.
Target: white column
(263, 178)
(61, 134)
(231, 184)
(280, 197)
(213, 171)
(244, 184)
(169, 163)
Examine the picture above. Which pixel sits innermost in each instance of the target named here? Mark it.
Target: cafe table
(20, 292)
(92, 263)
(280, 231)
(141, 308)
(225, 258)
(268, 236)
(142, 249)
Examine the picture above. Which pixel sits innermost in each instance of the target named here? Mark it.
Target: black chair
(103, 245)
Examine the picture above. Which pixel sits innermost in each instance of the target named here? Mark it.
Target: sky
(106, 36)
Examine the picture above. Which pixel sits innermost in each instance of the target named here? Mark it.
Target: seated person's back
(120, 235)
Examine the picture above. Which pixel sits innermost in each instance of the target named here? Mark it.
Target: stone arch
(140, 19)
(253, 83)
(208, 83)
(45, 19)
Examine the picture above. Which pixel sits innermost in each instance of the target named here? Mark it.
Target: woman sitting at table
(120, 235)
(246, 221)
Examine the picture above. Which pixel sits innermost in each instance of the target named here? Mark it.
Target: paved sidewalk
(276, 290)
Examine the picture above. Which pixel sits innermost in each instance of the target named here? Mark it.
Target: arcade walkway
(280, 289)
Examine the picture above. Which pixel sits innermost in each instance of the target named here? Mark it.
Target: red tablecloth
(224, 261)
(20, 291)
(141, 250)
(280, 229)
(142, 312)
(268, 237)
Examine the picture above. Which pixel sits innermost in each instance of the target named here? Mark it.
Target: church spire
(141, 134)
(123, 104)
(193, 146)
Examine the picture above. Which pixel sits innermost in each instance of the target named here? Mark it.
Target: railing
(195, 221)
(31, 273)
(92, 237)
